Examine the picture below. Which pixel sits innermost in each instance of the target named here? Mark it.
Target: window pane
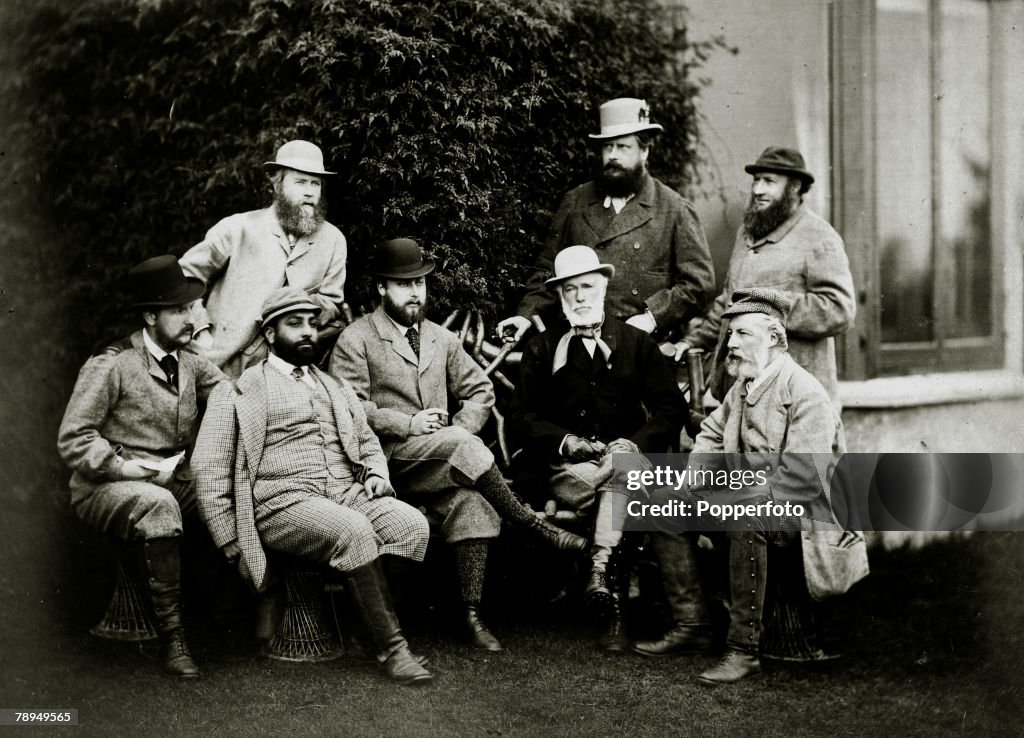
(963, 92)
(904, 173)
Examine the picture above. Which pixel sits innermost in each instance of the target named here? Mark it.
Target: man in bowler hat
(131, 415)
(785, 247)
(642, 227)
(405, 367)
(246, 256)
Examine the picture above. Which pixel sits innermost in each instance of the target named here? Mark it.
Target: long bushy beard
(759, 223)
(618, 181)
(296, 354)
(295, 219)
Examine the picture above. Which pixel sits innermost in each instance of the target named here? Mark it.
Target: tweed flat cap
(287, 300)
(756, 300)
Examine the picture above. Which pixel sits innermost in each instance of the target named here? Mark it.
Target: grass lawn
(931, 643)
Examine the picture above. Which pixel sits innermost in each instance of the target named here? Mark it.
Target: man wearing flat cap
(588, 390)
(646, 230)
(778, 417)
(405, 368)
(126, 433)
(246, 256)
(286, 461)
(785, 247)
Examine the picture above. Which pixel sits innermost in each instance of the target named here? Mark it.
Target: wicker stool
(128, 616)
(304, 633)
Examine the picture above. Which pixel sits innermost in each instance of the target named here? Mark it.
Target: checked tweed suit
(266, 475)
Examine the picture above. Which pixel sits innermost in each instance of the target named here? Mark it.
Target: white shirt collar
(616, 202)
(286, 368)
(154, 349)
(765, 373)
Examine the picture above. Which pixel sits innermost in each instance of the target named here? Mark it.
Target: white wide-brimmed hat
(624, 116)
(302, 156)
(576, 260)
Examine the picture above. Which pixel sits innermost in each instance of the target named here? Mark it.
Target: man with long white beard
(587, 391)
(405, 368)
(784, 247)
(639, 225)
(246, 256)
(777, 418)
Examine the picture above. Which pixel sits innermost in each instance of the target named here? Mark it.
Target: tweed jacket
(242, 260)
(229, 449)
(376, 358)
(635, 398)
(785, 425)
(123, 408)
(804, 258)
(656, 244)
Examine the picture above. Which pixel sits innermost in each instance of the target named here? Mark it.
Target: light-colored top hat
(301, 156)
(576, 260)
(624, 116)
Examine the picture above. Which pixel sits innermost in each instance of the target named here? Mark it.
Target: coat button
(634, 291)
(636, 245)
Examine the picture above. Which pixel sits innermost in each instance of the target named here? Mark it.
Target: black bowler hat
(160, 282)
(399, 258)
(782, 160)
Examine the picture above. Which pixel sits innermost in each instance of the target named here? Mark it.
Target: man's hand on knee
(132, 470)
(427, 421)
(378, 487)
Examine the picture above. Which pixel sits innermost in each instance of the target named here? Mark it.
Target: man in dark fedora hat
(784, 246)
(126, 433)
(405, 367)
(285, 461)
(587, 392)
(646, 230)
(246, 256)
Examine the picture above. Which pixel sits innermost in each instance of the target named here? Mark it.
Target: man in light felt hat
(597, 389)
(285, 461)
(126, 433)
(784, 246)
(776, 418)
(405, 368)
(650, 233)
(246, 256)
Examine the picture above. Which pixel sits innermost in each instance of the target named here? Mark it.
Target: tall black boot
(494, 489)
(620, 569)
(369, 594)
(163, 566)
(471, 563)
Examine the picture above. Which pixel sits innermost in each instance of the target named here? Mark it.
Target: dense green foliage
(131, 127)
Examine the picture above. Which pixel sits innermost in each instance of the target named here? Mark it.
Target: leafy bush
(133, 126)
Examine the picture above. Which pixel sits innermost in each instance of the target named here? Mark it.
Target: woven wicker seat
(128, 616)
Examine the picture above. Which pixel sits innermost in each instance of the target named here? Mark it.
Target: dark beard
(617, 181)
(296, 221)
(404, 315)
(759, 223)
(296, 354)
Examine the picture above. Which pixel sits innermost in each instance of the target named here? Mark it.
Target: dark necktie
(414, 339)
(170, 366)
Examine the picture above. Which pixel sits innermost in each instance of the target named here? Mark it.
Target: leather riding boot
(614, 639)
(368, 592)
(556, 537)
(478, 632)
(689, 633)
(163, 566)
(596, 595)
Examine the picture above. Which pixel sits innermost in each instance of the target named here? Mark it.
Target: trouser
(748, 574)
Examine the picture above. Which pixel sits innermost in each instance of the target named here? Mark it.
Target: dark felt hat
(160, 282)
(782, 160)
(399, 258)
(758, 300)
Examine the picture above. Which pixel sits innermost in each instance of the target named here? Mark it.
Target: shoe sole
(713, 683)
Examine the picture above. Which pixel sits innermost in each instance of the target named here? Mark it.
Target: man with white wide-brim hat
(246, 256)
(585, 393)
(646, 230)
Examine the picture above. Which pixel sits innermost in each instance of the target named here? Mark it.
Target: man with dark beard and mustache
(406, 369)
(646, 230)
(285, 461)
(248, 255)
(785, 247)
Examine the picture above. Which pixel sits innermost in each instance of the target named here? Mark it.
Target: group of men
(333, 466)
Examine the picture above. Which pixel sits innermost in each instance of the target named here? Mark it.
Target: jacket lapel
(273, 225)
(389, 333)
(428, 345)
(251, 409)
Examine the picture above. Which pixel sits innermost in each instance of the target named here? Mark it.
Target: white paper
(168, 464)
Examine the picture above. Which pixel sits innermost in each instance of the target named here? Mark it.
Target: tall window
(926, 124)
